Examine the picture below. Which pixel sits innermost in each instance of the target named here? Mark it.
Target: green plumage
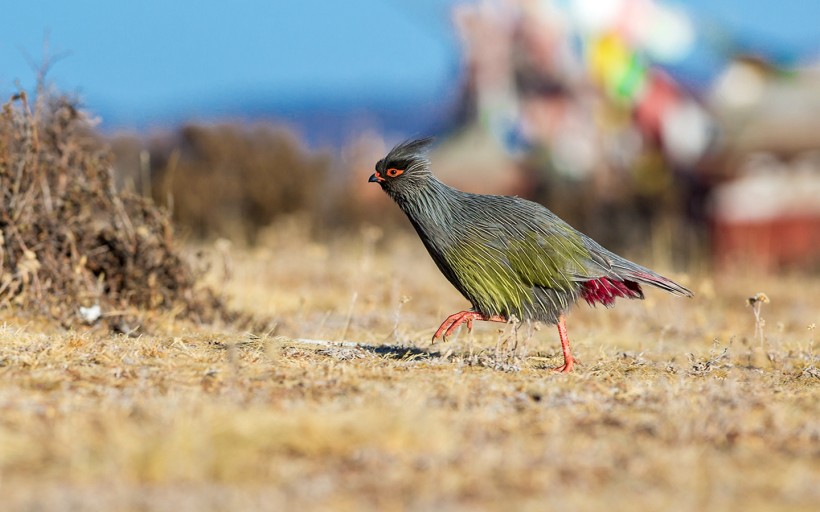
(498, 270)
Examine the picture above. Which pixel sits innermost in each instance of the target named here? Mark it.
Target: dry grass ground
(676, 405)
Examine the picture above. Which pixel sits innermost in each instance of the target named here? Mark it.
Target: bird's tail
(630, 271)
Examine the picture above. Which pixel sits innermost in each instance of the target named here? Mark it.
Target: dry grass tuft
(68, 240)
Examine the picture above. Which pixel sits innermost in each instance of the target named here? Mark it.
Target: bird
(511, 258)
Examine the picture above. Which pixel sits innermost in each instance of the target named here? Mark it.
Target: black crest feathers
(406, 155)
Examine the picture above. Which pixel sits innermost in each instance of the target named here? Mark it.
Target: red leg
(456, 319)
(569, 361)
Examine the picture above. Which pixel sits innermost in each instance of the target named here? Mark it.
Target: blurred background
(684, 131)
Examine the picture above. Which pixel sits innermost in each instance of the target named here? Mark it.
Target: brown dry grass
(676, 405)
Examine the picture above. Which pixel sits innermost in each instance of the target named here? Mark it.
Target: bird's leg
(569, 361)
(456, 319)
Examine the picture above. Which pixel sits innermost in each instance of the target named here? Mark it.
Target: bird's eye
(392, 172)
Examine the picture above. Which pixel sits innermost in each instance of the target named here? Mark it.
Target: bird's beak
(375, 178)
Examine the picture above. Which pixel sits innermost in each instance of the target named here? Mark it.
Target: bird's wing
(542, 250)
(535, 244)
(554, 257)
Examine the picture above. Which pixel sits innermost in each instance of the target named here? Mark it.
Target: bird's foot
(566, 367)
(456, 319)
(452, 322)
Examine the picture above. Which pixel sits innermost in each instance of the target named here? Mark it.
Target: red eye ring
(392, 172)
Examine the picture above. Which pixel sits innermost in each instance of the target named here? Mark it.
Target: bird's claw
(456, 319)
(453, 322)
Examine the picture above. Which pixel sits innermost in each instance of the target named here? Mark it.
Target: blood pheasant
(511, 258)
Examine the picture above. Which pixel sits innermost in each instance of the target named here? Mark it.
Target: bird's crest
(407, 156)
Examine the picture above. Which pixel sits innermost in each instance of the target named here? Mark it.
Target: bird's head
(405, 168)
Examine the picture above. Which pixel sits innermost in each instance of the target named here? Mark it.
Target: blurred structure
(766, 208)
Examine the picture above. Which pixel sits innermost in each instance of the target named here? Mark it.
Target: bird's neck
(430, 206)
(430, 198)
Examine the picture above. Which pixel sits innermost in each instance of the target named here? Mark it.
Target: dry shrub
(69, 239)
(232, 181)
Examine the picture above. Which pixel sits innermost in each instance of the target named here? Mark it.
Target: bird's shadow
(401, 352)
(347, 349)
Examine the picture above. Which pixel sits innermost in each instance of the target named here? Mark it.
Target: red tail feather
(605, 290)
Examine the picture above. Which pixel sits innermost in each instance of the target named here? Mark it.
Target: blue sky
(784, 31)
(153, 60)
